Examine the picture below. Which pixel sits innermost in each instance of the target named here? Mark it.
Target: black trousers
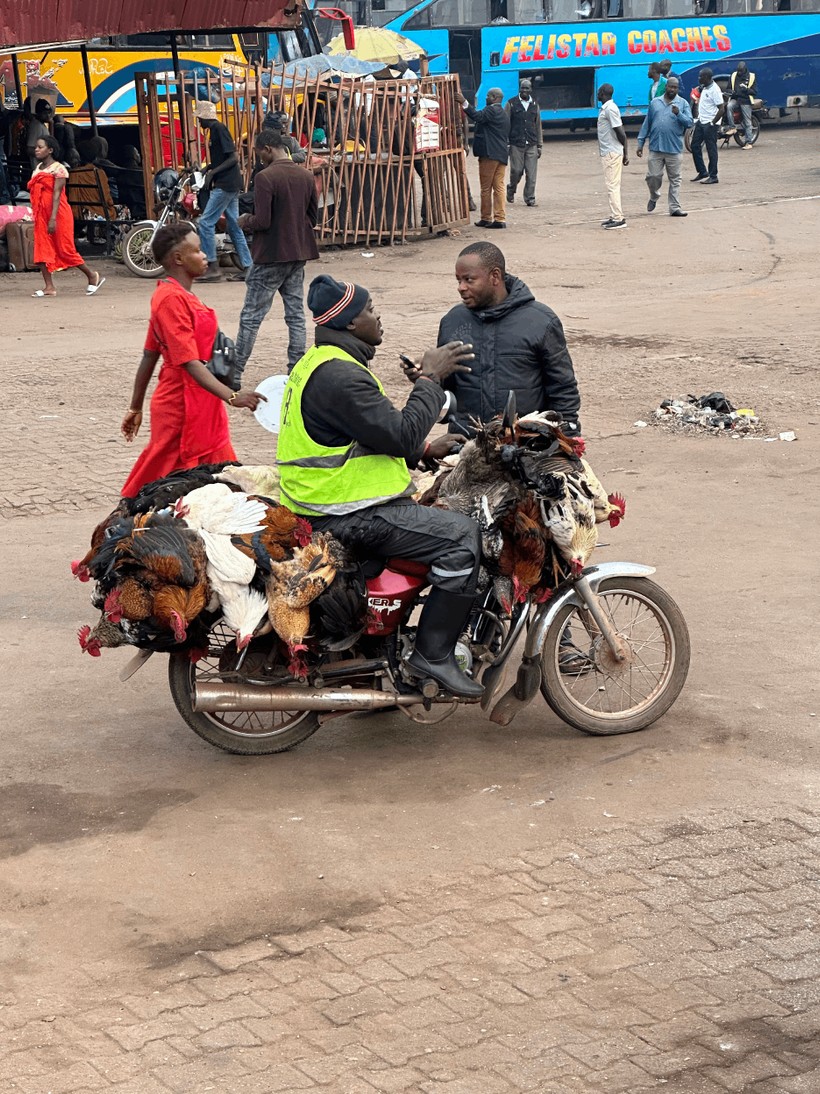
(448, 542)
(705, 134)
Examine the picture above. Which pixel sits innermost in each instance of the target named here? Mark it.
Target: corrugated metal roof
(25, 22)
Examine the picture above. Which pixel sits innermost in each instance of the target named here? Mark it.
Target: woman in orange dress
(53, 221)
(189, 423)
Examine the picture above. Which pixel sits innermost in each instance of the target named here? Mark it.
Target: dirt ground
(129, 844)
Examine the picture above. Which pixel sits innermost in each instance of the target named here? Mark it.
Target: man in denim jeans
(225, 181)
(285, 213)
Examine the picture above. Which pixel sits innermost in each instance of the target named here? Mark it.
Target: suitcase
(20, 242)
(4, 255)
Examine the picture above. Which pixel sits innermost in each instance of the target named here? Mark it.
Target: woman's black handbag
(222, 364)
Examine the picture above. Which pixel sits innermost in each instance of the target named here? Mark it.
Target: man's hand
(207, 179)
(442, 446)
(248, 399)
(640, 153)
(460, 98)
(410, 368)
(538, 155)
(243, 220)
(676, 110)
(626, 159)
(442, 362)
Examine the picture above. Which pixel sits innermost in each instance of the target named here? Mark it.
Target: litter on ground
(712, 413)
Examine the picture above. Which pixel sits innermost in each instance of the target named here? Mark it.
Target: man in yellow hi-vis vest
(742, 89)
(343, 457)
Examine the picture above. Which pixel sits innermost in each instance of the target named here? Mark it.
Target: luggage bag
(20, 242)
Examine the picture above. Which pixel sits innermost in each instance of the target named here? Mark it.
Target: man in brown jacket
(285, 214)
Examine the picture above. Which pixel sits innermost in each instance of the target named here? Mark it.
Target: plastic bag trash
(367, 254)
(639, 425)
(716, 401)
(789, 435)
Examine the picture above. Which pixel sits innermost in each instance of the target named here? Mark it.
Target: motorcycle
(735, 129)
(178, 197)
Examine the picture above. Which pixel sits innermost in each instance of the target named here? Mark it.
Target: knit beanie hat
(335, 303)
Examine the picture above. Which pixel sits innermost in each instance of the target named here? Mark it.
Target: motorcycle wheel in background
(136, 249)
(740, 136)
(247, 733)
(603, 696)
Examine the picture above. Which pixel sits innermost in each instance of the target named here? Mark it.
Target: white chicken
(216, 512)
(611, 507)
(218, 509)
(253, 479)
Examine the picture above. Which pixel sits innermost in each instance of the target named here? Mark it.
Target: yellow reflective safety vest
(316, 480)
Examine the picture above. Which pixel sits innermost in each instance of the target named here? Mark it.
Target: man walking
(614, 151)
(743, 88)
(710, 111)
(525, 142)
(658, 79)
(286, 211)
(225, 182)
(666, 121)
(491, 143)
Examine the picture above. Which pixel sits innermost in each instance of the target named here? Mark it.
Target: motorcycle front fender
(546, 613)
(528, 680)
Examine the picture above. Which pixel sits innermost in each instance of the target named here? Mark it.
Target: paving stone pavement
(677, 957)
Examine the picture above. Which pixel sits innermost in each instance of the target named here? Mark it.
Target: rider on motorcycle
(742, 89)
(343, 455)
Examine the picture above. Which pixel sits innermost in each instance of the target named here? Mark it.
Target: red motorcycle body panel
(390, 594)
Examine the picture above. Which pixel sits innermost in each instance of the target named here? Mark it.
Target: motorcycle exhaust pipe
(220, 698)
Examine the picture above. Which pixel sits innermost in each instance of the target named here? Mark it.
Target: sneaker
(650, 205)
(730, 132)
(615, 224)
(678, 213)
(748, 146)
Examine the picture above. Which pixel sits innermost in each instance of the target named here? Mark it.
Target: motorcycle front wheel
(589, 688)
(247, 733)
(740, 136)
(136, 251)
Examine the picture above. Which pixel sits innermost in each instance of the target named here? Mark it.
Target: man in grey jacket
(491, 144)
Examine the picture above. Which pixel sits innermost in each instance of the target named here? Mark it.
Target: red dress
(189, 425)
(56, 251)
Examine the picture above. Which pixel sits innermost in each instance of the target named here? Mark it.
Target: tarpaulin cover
(26, 22)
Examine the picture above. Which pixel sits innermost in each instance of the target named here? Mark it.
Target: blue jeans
(219, 202)
(261, 284)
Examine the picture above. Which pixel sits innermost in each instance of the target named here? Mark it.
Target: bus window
(530, 11)
(212, 41)
(642, 9)
(455, 13)
(679, 8)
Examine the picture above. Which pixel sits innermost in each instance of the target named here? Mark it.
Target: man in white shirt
(711, 109)
(612, 146)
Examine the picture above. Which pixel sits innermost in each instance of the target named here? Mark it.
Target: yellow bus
(56, 73)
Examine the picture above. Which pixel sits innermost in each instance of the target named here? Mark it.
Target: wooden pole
(92, 113)
(15, 64)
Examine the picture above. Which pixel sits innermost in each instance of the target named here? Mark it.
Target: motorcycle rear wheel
(605, 697)
(246, 733)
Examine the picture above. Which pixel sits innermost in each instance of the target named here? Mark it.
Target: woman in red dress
(53, 221)
(189, 423)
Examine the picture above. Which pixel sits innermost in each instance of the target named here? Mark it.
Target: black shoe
(472, 205)
(442, 621)
(483, 224)
(510, 196)
(212, 273)
(697, 178)
(709, 182)
(650, 205)
(530, 203)
(678, 213)
(498, 224)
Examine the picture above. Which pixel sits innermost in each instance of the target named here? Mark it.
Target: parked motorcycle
(759, 111)
(178, 197)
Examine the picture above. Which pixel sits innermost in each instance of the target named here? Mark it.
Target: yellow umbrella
(377, 44)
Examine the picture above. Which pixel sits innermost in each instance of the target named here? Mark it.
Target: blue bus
(568, 48)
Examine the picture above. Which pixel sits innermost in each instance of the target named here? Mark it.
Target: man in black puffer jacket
(519, 344)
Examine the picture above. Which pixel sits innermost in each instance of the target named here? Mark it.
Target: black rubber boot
(442, 621)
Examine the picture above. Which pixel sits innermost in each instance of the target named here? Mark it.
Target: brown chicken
(524, 547)
(281, 531)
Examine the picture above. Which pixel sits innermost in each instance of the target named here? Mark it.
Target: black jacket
(519, 345)
(525, 125)
(492, 132)
(342, 403)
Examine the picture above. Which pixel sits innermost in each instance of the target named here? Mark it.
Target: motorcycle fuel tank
(390, 594)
